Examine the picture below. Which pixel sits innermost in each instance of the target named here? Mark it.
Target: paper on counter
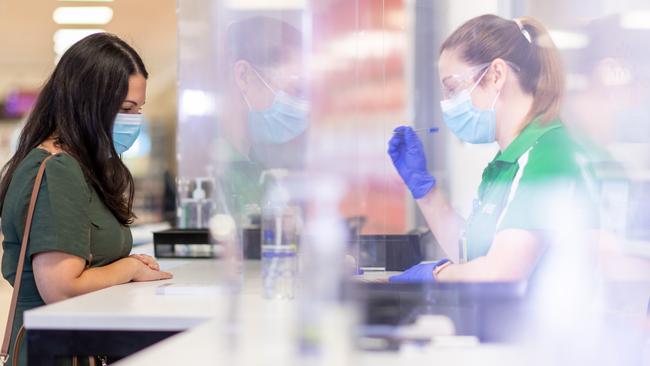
(180, 289)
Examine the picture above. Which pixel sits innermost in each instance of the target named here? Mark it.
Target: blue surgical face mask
(285, 120)
(126, 130)
(467, 122)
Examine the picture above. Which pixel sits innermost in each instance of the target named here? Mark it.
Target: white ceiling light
(82, 15)
(635, 20)
(367, 44)
(196, 103)
(64, 38)
(569, 40)
(265, 4)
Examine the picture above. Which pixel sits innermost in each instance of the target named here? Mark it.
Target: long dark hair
(78, 105)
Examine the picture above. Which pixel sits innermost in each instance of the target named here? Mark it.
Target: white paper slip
(169, 264)
(179, 289)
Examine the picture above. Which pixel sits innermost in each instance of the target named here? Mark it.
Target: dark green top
(69, 217)
(530, 185)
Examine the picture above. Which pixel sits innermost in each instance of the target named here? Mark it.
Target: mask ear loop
(264, 81)
(495, 100)
(246, 100)
(248, 103)
(479, 79)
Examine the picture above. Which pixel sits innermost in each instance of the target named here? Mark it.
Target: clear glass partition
(285, 111)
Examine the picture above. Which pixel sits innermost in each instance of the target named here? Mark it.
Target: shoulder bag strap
(4, 352)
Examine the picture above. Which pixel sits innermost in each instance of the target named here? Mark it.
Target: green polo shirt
(540, 182)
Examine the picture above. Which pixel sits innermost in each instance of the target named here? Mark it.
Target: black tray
(183, 243)
(392, 252)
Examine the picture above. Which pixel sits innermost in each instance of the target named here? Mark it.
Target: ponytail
(549, 92)
(524, 42)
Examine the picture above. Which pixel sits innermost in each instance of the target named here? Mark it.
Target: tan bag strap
(17, 344)
(4, 352)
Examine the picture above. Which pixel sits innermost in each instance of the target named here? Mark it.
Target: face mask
(280, 123)
(126, 130)
(467, 122)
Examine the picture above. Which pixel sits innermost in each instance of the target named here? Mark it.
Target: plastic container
(279, 240)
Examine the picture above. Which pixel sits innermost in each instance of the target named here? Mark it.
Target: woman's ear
(499, 73)
(241, 70)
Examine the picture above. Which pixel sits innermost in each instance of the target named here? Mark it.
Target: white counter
(266, 326)
(201, 346)
(135, 306)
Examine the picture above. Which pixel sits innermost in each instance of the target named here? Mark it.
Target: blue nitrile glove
(422, 272)
(407, 153)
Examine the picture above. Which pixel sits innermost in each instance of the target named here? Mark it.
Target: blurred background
(381, 56)
(35, 33)
(364, 67)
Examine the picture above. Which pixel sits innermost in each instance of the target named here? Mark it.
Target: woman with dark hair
(503, 82)
(86, 115)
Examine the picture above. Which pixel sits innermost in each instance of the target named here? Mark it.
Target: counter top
(135, 306)
(192, 303)
(201, 346)
(139, 306)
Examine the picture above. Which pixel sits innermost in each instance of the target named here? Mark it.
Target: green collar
(526, 139)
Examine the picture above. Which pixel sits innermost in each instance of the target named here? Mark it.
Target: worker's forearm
(477, 270)
(93, 279)
(481, 269)
(444, 222)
